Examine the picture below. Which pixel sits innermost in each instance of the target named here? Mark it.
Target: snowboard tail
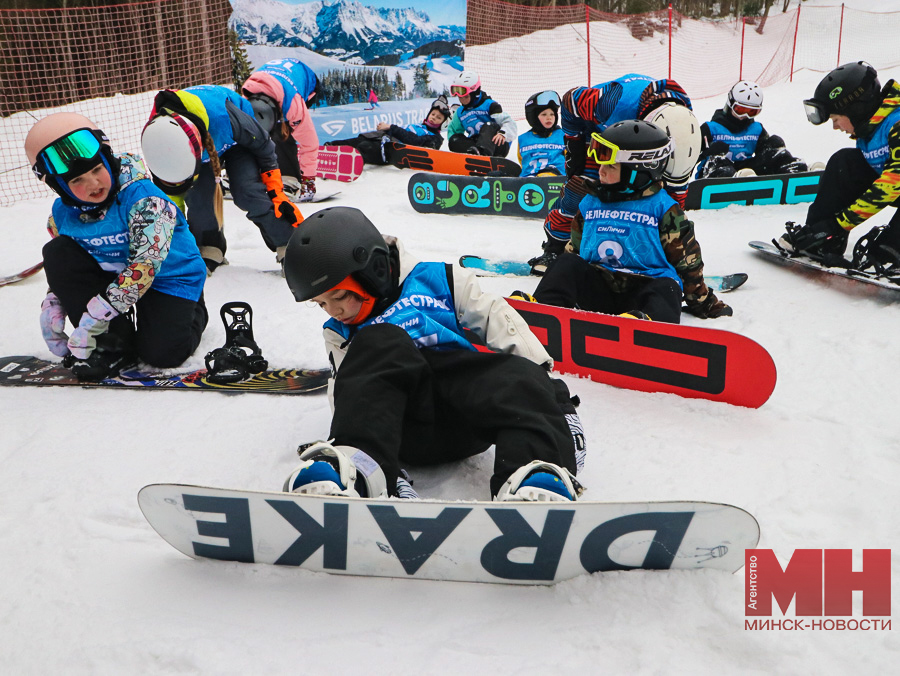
(339, 163)
(529, 197)
(651, 356)
(716, 193)
(19, 276)
(488, 267)
(871, 280)
(446, 162)
(507, 543)
(30, 371)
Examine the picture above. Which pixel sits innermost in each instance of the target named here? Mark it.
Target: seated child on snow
(542, 148)
(409, 386)
(733, 141)
(479, 126)
(375, 148)
(637, 253)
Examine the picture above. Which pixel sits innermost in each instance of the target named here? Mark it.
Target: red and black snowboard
(650, 356)
(446, 162)
(339, 163)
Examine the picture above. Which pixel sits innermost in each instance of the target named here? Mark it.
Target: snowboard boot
(523, 295)
(540, 481)
(336, 470)
(717, 166)
(553, 249)
(818, 245)
(106, 361)
(240, 357)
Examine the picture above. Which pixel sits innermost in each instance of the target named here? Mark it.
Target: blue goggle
(546, 98)
(74, 152)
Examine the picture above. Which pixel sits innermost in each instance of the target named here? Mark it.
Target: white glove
(93, 323)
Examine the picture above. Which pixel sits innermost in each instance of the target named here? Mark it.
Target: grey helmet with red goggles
(745, 100)
(537, 104)
(466, 83)
(640, 147)
(64, 145)
(852, 90)
(172, 146)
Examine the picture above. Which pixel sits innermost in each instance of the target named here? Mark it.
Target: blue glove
(53, 324)
(93, 323)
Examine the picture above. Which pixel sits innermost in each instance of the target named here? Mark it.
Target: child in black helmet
(632, 251)
(375, 146)
(857, 182)
(542, 149)
(409, 386)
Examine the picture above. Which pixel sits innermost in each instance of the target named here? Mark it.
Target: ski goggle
(743, 112)
(546, 98)
(604, 152)
(816, 112)
(74, 153)
(462, 90)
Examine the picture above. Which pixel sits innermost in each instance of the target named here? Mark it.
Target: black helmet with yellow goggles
(641, 148)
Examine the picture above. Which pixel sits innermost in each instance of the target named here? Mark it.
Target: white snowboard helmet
(745, 100)
(466, 83)
(172, 147)
(683, 128)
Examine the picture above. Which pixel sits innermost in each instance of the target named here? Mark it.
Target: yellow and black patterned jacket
(885, 190)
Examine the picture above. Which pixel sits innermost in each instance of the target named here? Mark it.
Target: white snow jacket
(487, 315)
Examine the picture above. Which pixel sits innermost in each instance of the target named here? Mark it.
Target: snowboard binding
(240, 357)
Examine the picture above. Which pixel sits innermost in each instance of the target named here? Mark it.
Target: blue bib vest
(539, 152)
(294, 77)
(624, 236)
(633, 85)
(419, 129)
(213, 99)
(473, 119)
(181, 274)
(741, 145)
(424, 310)
(875, 148)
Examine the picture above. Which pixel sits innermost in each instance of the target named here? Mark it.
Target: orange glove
(284, 208)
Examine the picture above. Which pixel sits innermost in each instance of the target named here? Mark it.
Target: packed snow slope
(89, 588)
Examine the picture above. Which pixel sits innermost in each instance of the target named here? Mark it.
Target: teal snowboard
(528, 197)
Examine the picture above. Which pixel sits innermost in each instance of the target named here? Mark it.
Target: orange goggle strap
(604, 152)
(368, 300)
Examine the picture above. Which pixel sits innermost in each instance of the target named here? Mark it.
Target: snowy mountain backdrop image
(349, 31)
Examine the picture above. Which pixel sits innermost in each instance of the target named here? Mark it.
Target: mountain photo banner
(378, 62)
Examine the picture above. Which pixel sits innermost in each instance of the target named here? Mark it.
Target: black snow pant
(402, 404)
(368, 145)
(168, 327)
(484, 141)
(846, 177)
(288, 160)
(249, 194)
(572, 282)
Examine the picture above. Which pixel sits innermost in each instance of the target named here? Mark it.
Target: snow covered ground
(89, 588)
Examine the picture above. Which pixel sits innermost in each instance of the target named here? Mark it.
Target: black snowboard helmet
(640, 147)
(537, 104)
(332, 244)
(852, 90)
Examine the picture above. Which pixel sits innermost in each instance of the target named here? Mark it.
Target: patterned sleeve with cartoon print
(883, 192)
(151, 223)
